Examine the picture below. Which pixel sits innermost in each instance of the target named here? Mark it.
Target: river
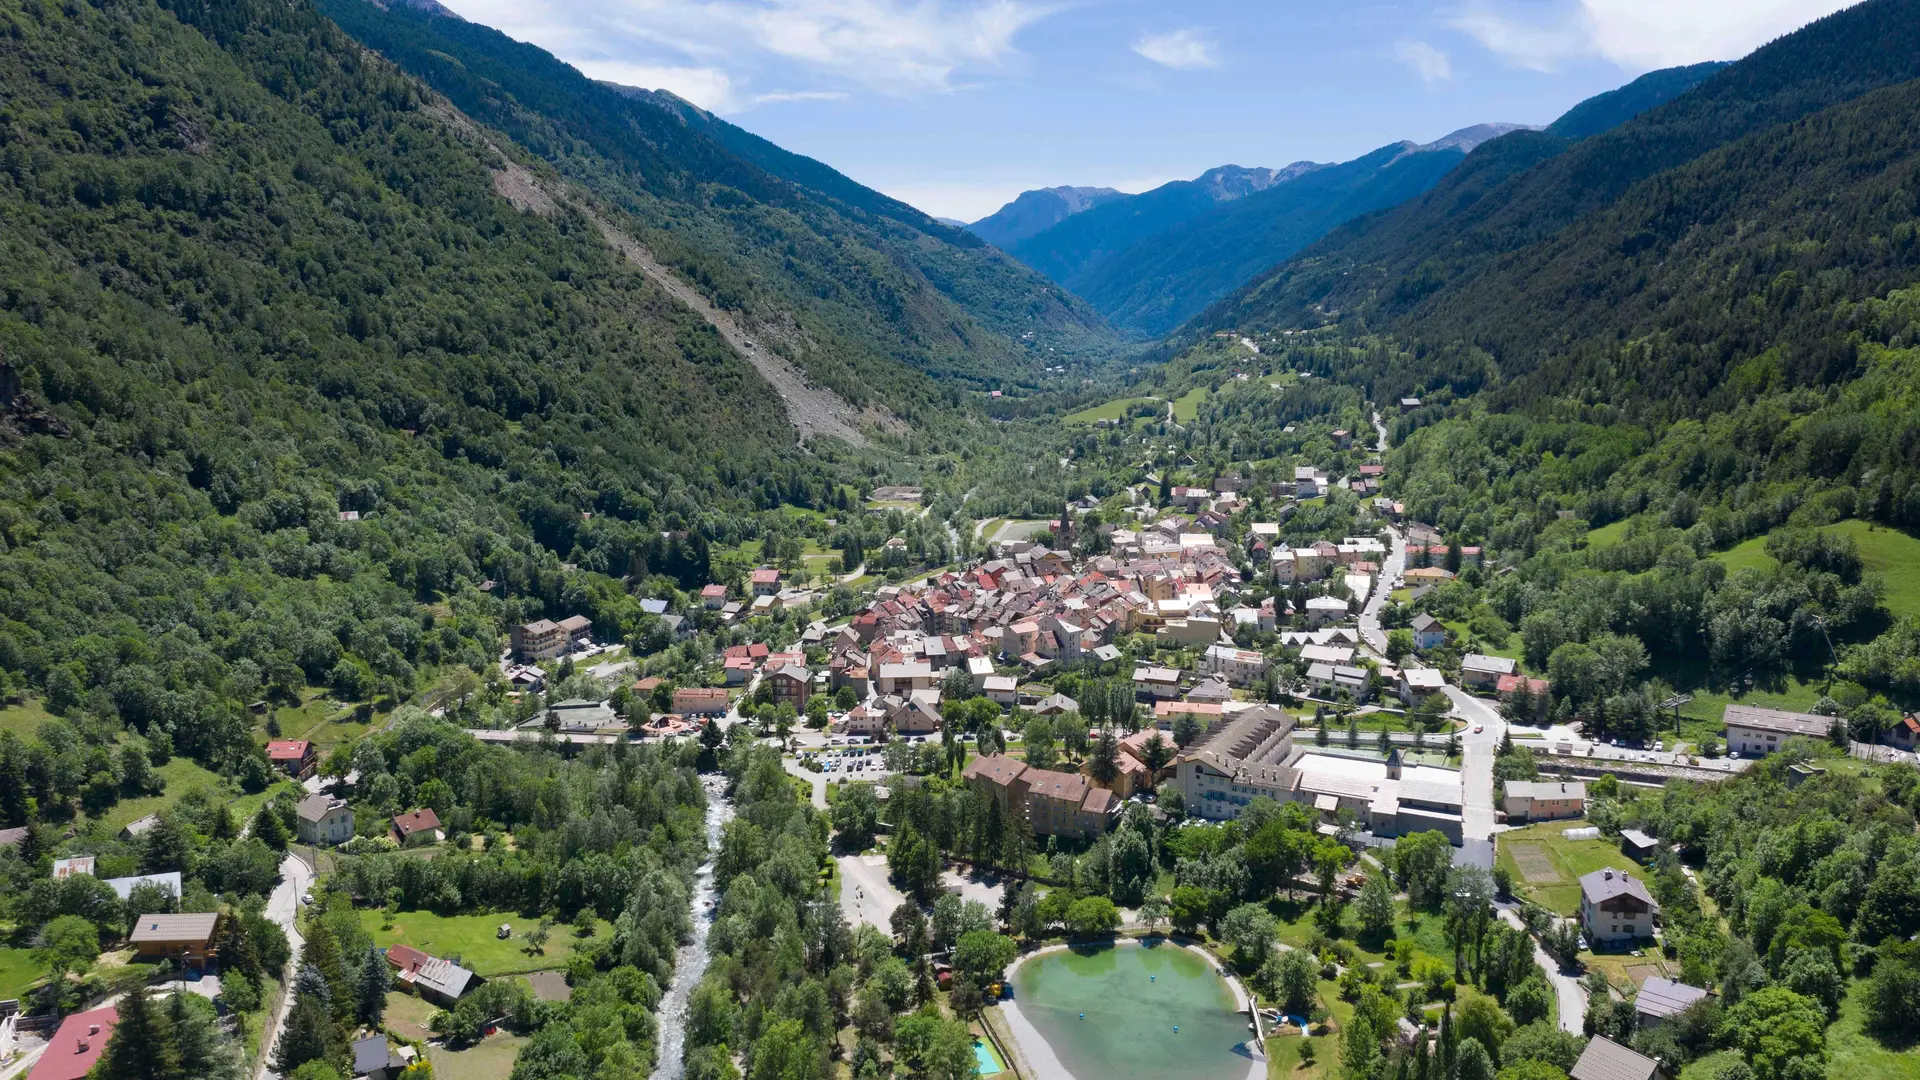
(691, 965)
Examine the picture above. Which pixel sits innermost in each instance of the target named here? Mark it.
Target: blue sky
(958, 105)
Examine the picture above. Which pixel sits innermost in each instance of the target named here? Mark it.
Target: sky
(956, 106)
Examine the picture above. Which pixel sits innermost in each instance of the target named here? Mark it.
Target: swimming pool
(988, 1061)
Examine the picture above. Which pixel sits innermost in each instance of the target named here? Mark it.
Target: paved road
(283, 907)
(816, 781)
(1476, 766)
(1371, 631)
(1572, 997)
(865, 894)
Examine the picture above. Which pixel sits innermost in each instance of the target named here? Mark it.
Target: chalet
(186, 939)
(1055, 704)
(1428, 632)
(713, 597)
(416, 823)
(1604, 1059)
(544, 639)
(765, 582)
(436, 980)
(1904, 734)
(1755, 732)
(1426, 575)
(1616, 908)
(295, 757)
(1529, 800)
(139, 827)
(322, 819)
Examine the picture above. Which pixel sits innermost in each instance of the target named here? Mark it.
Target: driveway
(283, 907)
(1567, 991)
(865, 894)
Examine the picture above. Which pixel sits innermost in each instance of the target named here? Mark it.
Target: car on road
(307, 897)
(1478, 728)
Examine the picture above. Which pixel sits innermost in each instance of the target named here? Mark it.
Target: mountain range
(1150, 262)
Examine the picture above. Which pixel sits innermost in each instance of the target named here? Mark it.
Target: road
(1476, 765)
(1371, 631)
(283, 907)
(1567, 991)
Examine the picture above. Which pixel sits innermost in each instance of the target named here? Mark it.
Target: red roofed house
(1905, 734)
(700, 701)
(295, 757)
(76, 1046)
(713, 597)
(413, 823)
(766, 582)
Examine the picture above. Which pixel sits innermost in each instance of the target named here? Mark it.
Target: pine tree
(308, 1034)
(203, 1054)
(374, 983)
(142, 1047)
(269, 828)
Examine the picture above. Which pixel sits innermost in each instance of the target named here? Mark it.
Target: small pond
(1133, 996)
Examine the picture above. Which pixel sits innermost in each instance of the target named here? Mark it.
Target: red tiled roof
(288, 749)
(406, 957)
(416, 821)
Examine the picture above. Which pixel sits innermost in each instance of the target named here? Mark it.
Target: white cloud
(1426, 61)
(1637, 35)
(1184, 50)
(708, 87)
(720, 47)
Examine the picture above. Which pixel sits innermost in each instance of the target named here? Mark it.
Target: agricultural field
(1108, 410)
(1547, 867)
(1187, 405)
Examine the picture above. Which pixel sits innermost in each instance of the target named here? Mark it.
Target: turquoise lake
(1133, 997)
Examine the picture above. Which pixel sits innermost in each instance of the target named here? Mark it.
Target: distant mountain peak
(1469, 137)
(1034, 212)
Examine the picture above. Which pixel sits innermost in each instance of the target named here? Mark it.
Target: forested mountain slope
(252, 278)
(1155, 285)
(861, 291)
(1389, 264)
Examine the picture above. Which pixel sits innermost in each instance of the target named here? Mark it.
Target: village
(1171, 651)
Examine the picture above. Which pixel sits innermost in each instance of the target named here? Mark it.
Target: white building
(1240, 667)
(1755, 732)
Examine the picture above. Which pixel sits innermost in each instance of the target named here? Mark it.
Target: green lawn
(472, 938)
(1428, 932)
(23, 719)
(1607, 535)
(489, 1059)
(1187, 405)
(1514, 649)
(1570, 860)
(1890, 553)
(1852, 1054)
(407, 1015)
(1283, 1057)
(184, 775)
(1110, 410)
(18, 972)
